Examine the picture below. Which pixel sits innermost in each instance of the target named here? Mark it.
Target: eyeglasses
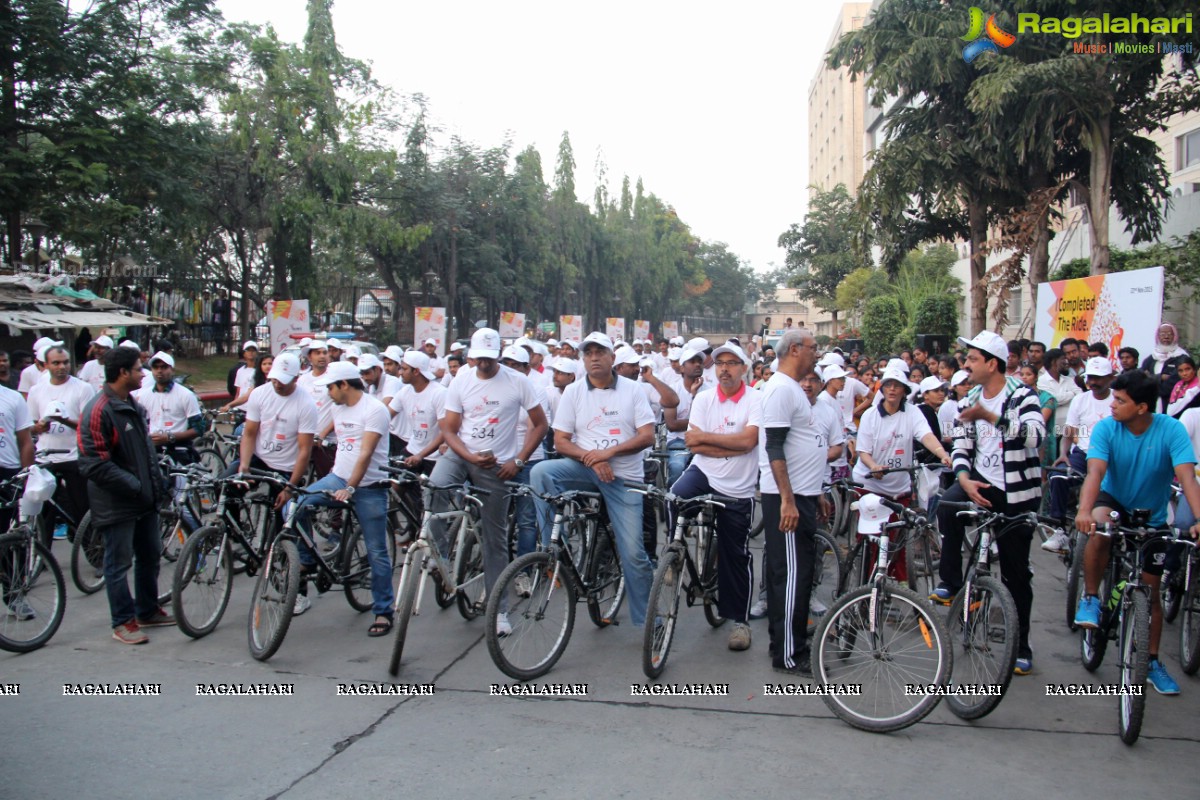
(728, 364)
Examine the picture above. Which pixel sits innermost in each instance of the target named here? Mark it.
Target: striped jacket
(1023, 428)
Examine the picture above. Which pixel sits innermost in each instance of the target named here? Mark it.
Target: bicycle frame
(424, 548)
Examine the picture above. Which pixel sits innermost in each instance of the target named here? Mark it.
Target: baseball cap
(733, 350)
(872, 513)
(897, 364)
(485, 343)
(1098, 367)
(515, 353)
(932, 383)
(420, 362)
(676, 341)
(338, 371)
(832, 358)
(163, 357)
(104, 341)
(56, 408)
(335, 344)
(890, 374)
(571, 343)
(541, 349)
(315, 344)
(627, 355)
(42, 345)
(285, 369)
(689, 353)
(368, 361)
(831, 372)
(433, 342)
(552, 342)
(673, 353)
(564, 365)
(394, 353)
(645, 361)
(454, 348)
(988, 342)
(699, 343)
(596, 337)
(352, 351)
(959, 377)
(132, 345)
(246, 345)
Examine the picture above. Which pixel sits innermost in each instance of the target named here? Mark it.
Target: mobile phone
(487, 454)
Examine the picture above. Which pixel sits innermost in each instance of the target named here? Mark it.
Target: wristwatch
(519, 462)
(171, 437)
(350, 490)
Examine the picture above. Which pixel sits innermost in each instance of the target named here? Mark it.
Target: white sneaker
(302, 604)
(502, 626)
(1058, 543)
(758, 610)
(816, 607)
(523, 587)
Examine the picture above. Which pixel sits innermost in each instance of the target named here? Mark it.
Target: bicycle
(216, 450)
(581, 559)
(1072, 557)
(457, 575)
(31, 582)
(884, 639)
(1189, 622)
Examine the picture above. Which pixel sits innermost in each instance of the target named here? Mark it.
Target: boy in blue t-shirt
(1132, 458)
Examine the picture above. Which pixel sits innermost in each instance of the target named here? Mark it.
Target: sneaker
(803, 668)
(1058, 543)
(1160, 679)
(60, 531)
(1087, 615)
(20, 609)
(503, 628)
(758, 610)
(160, 619)
(129, 633)
(739, 637)
(816, 607)
(1024, 665)
(302, 604)
(523, 587)
(942, 595)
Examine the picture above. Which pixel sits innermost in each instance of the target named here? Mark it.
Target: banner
(512, 325)
(614, 327)
(287, 317)
(548, 328)
(1121, 309)
(641, 329)
(431, 324)
(670, 329)
(572, 327)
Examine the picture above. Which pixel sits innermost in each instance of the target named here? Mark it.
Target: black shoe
(803, 668)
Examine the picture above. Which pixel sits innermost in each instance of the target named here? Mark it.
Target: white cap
(338, 371)
(832, 358)
(314, 344)
(336, 344)
(897, 364)
(246, 344)
(541, 349)
(56, 408)
(394, 353)
(989, 342)
(932, 383)
(677, 341)
(515, 353)
(959, 377)
(596, 337)
(433, 342)
(454, 348)
(571, 343)
(689, 353)
(285, 368)
(132, 345)
(420, 362)
(831, 372)
(890, 374)
(646, 361)
(732, 349)
(673, 353)
(45, 343)
(627, 355)
(485, 343)
(368, 361)
(352, 351)
(872, 513)
(163, 357)
(104, 341)
(565, 365)
(552, 342)
(1098, 367)
(699, 343)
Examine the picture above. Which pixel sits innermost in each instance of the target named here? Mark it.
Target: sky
(706, 102)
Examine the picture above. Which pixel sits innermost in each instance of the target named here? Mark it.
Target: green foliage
(925, 274)
(937, 314)
(1180, 258)
(882, 323)
(824, 249)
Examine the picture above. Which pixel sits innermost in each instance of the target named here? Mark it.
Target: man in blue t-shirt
(1132, 458)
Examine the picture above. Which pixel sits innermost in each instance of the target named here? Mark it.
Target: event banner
(431, 324)
(512, 325)
(641, 329)
(287, 317)
(571, 327)
(1121, 309)
(614, 327)
(670, 329)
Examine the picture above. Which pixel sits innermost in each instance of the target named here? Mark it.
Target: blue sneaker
(1160, 679)
(1024, 665)
(60, 531)
(943, 595)
(1087, 615)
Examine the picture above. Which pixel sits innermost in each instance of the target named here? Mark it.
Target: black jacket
(118, 459)
(1164, 386)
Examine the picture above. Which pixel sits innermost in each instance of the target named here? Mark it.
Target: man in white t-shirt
(281, 421)
(437, 363)
(392, 357)
(517, 359)
(723, 434)
(174, 412)
(243, 381)
(1086, 410)
(318, 358)
(16, 447)
(602, 425)
(92, 373)
(483, 409)
(422, 407)
(385, 387)
(360, 423)
(691, 365)
(37, 370)
(55, 407)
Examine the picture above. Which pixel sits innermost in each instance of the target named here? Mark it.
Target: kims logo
(996, 38)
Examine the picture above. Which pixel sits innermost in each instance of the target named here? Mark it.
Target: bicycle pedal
(607, 621)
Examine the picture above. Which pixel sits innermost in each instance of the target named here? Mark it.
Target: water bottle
(1114, 599)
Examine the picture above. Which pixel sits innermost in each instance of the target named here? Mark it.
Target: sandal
(382, 626)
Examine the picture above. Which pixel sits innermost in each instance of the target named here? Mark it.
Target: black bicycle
(31, 583)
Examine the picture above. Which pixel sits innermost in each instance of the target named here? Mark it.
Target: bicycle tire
(921, 561)
(212, 461)
(1172, 595)
(979, 660)
(406, 600)
(1134, 638)
(706, 546)
(605, 581)
(471, 590)
(1189, 626)
(87, 557)
(827, 570)
(355, 569)
(1074, 576)
(1094, 641)
(442, 596)
(541, 623)
(663, 608)
(34, 583)
(174, 534)
(274, 599)
(204, 567)
(910, 632)
(756, 518)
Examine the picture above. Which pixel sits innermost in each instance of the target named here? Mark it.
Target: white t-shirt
(168, 412)
(92, 373)
(653, 398)
(389, 386)
(243, 382)
(989, 443)
(491, 410)
(786, 406)
(889, 441)
(14, 418)
(74, 395)
(1083, 415)
(30, 377)
(523, 425)
(682, 411)
(320, 397)
(1065, 391)
(848, 398)
(1191, 423)
(399, 426)
(600, 418)
(280, 421)
(734, 476)
(832, 409)
(350, 423)
(421, 412)
(946, 416)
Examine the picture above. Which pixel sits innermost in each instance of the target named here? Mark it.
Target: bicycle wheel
(1094, 641)
(984, 641)
(212, 461)
(87, 557)
(174, 533)
(1172, 594)
(406, 599)
(202, 581)
(356, 567)
(827, 569)
(756, 518)
(541, 623)
(33, 589)
(706, 556)
(1074, 576)
(881, 641)
(921, 560)
(663, 612)
(468, 572)
(605, 581)
(1189, 626)
(1134, 638)
(274, 599)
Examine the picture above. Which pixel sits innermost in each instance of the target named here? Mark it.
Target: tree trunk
(452, 315)
(1100, 192)
(834, 314)
(977, 223)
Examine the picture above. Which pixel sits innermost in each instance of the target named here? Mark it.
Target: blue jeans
(624, 512)
(370, 506)
(133, 542)
(527, 523)
(678, 460)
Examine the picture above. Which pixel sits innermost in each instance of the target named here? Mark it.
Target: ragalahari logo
(995, 37)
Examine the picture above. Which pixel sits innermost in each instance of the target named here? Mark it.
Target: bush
(904, 340)
(937, 314)
(822, 340)
(881, 324)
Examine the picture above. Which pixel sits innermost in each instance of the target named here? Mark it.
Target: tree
(882, 323)
(936, 314)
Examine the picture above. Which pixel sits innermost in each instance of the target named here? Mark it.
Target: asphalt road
(463, 741)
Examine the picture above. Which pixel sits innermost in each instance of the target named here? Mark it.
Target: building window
(1188, 149)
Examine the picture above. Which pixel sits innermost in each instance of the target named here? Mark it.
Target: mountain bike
(31, 582)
